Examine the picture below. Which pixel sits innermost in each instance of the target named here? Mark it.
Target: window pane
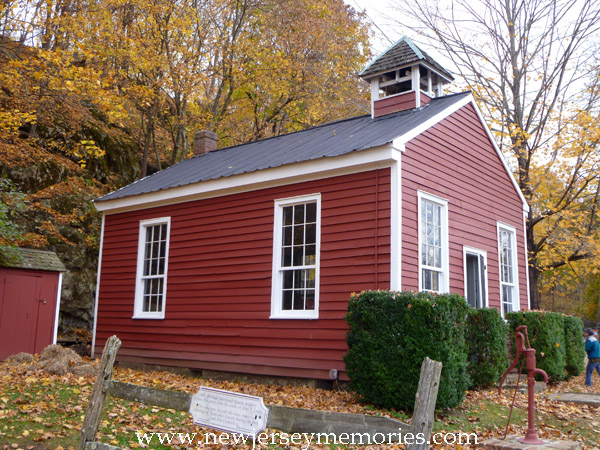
(310, 300)
(311, 234)
(437, 260)
(298, 214)
(298, 234)
(288, 279)
(298, 299)
(287, 300)
(287, 257)
(287, 215)
(298, 255)
(311, 276)
(426, 279)
(299, 279)
(287, 235)
(311, 213)
(507, 298)
(310, 256)
(435, 281)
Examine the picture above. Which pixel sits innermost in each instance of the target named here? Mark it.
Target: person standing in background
(592, 348)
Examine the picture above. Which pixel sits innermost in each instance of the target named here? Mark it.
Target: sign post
(229, 411)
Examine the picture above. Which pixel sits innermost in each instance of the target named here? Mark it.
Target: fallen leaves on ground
(54, 406)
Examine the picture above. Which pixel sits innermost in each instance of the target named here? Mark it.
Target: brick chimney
(205, 141)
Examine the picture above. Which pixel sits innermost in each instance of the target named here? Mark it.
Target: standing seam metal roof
(329, 140)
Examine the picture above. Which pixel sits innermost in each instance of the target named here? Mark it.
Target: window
(296, 240)
(153, 257)
(508, 265)
(433, 243)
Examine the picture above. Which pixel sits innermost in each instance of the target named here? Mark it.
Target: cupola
(404, 77)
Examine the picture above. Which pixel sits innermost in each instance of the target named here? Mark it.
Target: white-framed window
(507, 258)
(433, 243)
(476, 280)
(152, 265)
(296, 248)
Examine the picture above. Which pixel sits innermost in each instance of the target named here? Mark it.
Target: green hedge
(486, 344)
(574, 346)
(390, 335)
(547, 336)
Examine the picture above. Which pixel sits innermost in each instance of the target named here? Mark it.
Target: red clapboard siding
(455, 160)
(219, 280)
(396, 103)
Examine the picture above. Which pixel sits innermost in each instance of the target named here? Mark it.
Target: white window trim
(139, 285)
(445, 284)
(476, 251)
(513, 231)
(277, 277)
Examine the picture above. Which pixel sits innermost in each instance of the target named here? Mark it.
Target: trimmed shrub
(547, 336)
(574, 346)
(390, 335)
(486, 345)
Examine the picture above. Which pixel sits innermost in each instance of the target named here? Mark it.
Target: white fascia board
(354, 162)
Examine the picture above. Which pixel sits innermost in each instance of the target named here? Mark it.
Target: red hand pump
(529, 355)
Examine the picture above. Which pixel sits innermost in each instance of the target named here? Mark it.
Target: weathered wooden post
(423, 417)
(93, 413)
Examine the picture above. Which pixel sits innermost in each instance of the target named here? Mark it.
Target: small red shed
(30, 287)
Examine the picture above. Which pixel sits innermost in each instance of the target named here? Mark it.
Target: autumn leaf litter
(131, 418)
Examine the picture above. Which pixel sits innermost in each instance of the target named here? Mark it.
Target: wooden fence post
(93, 413)
(422, 422)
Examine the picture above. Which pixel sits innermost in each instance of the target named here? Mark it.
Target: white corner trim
(396, 225)
(353, 162)
(98, 285)
(501, 156)
(57, 307)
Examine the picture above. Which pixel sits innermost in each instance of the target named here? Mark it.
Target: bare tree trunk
(147, 143)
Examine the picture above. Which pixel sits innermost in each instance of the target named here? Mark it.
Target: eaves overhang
(353, 162)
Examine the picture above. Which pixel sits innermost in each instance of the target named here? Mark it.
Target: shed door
(26, 313)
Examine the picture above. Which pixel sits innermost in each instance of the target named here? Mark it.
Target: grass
(39, 412)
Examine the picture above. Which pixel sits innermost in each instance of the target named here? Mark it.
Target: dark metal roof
(27, 258)
(401, 54)
(329, 140)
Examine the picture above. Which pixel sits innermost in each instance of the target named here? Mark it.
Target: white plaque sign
(229, 411)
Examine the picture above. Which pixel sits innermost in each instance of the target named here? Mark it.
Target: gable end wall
(455, 160)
